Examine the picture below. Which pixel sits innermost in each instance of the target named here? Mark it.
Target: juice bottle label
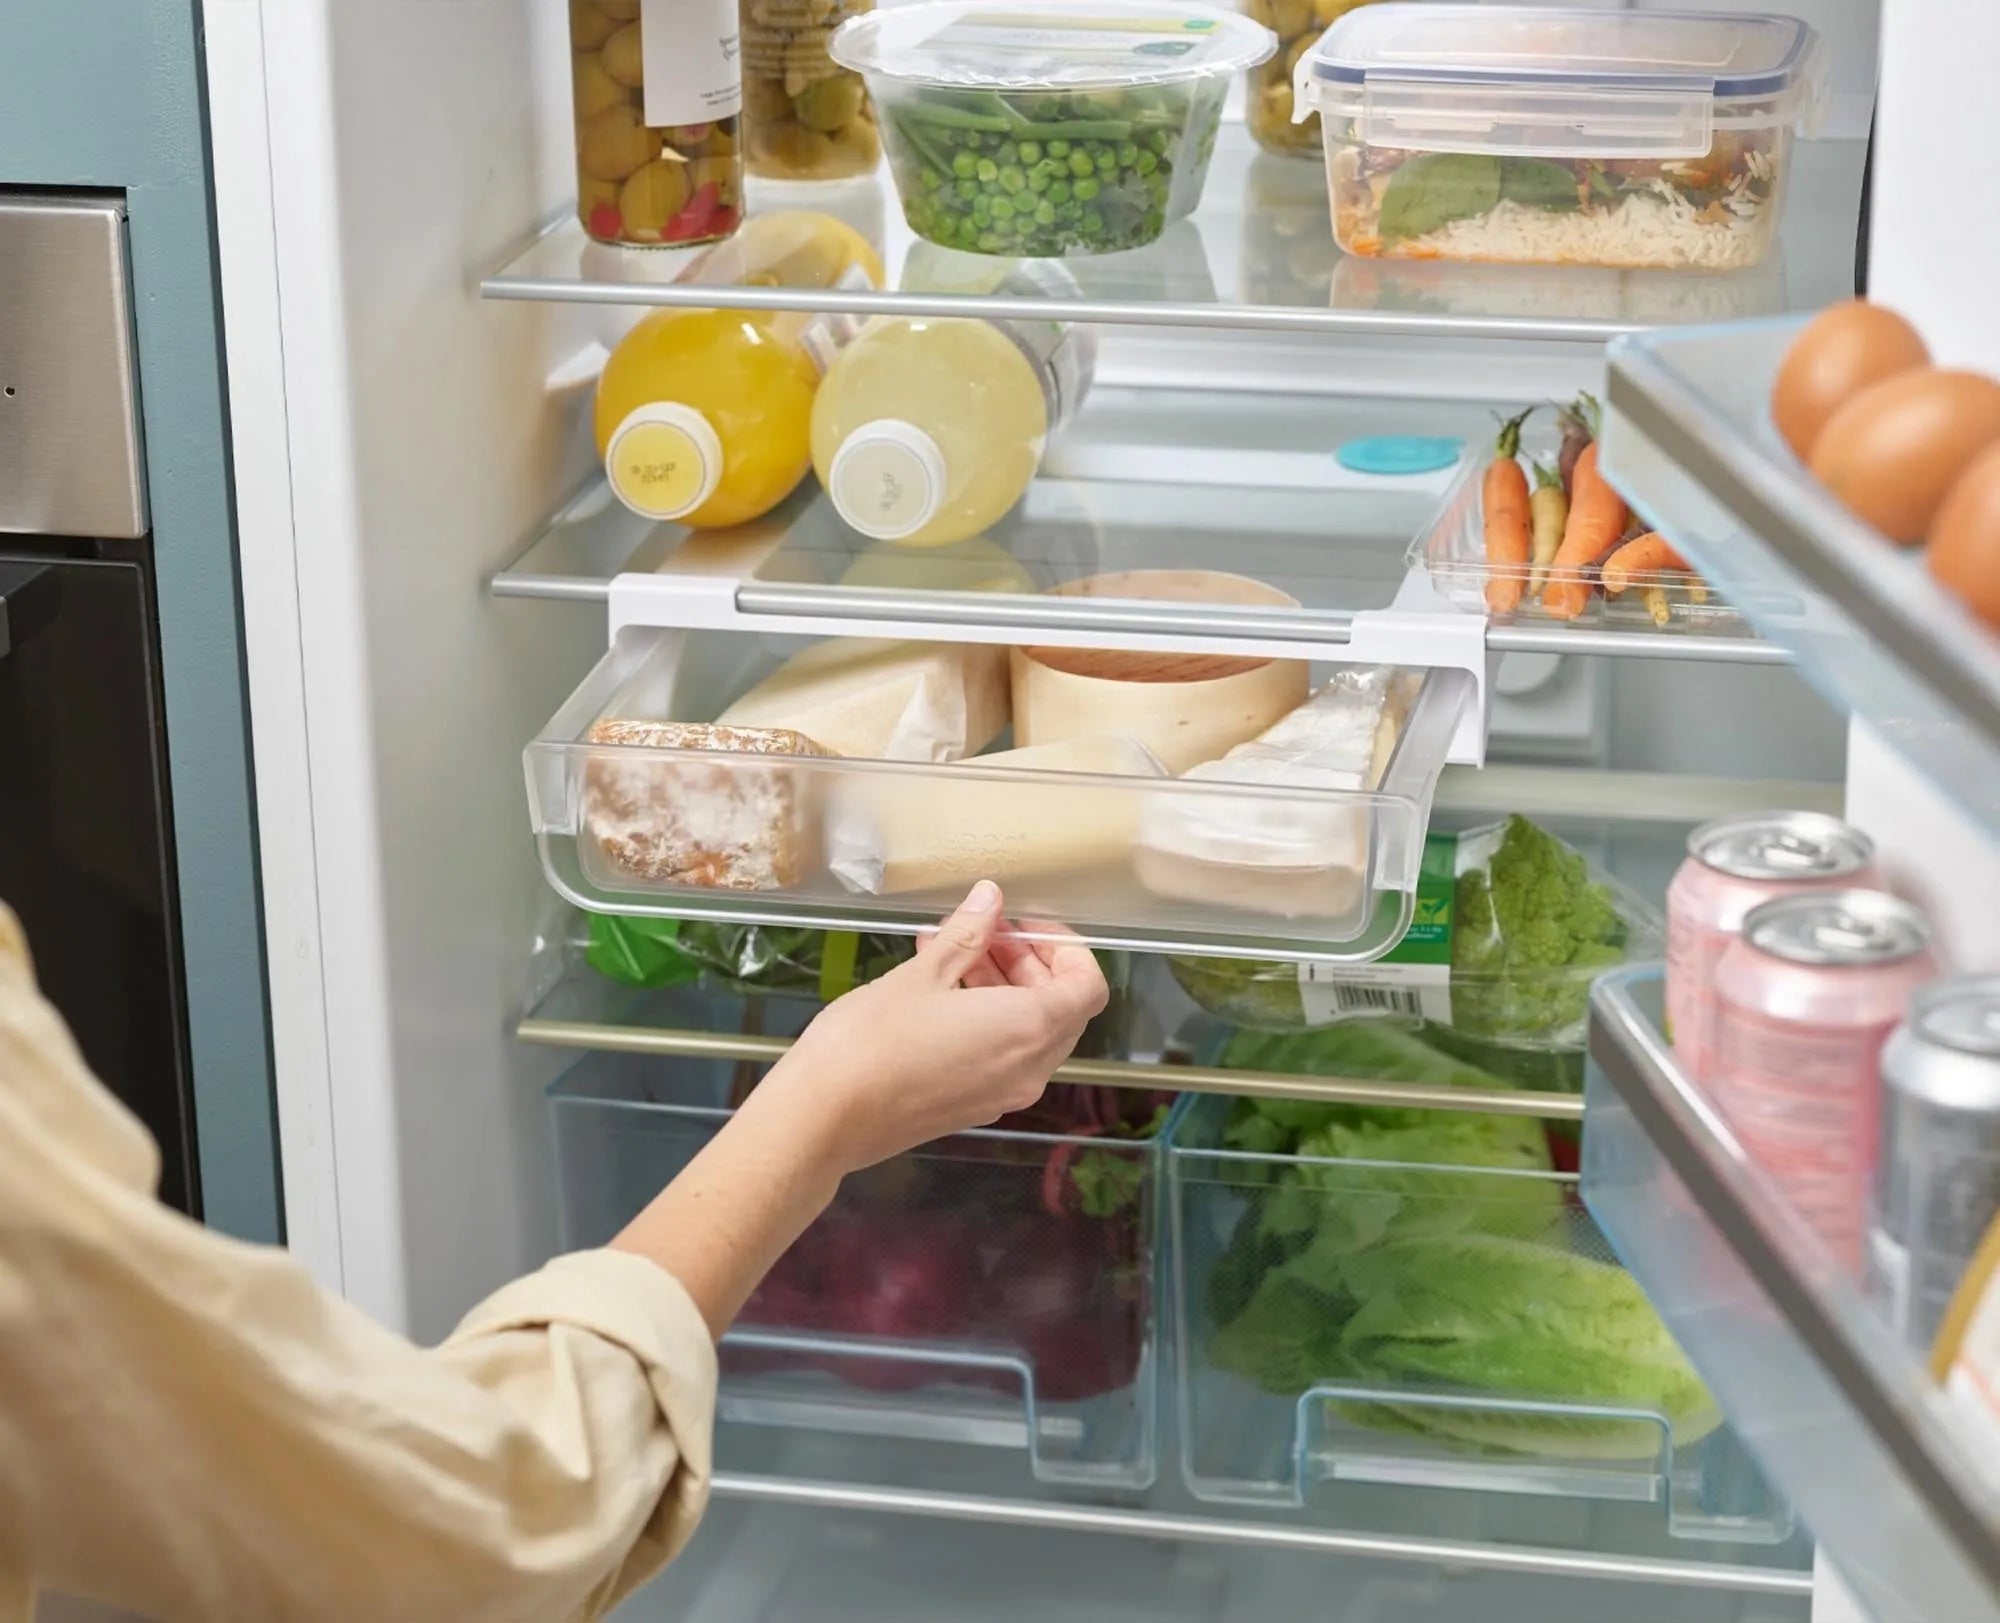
(692, 72)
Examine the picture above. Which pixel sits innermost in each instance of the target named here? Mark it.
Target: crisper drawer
(1404, 1320)
(996, 1288)
(1089, 829)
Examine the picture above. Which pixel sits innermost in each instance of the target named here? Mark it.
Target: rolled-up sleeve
(191, 1428)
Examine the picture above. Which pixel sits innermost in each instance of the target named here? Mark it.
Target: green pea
(1080, 164)
(1031, 152)
(1045, 212)
(1058, 148)
(1145, 163)
(1159, 141)
(968, 189)
(1059, 191)
(1088, 188)
(963, 164)
(1093, 223)
(1001, 208)
(1038, 180)
(990, 241)
(1128, 155)
(1107, 163)
(1009, 152)
(987, 170)
(1012, 179)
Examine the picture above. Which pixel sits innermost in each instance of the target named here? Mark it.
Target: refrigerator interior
(400, 441)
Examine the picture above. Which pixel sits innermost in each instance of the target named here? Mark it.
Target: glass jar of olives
(658, 117)
(1298, 25)
(807, 117)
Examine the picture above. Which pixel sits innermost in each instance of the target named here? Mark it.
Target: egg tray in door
(996, 1288)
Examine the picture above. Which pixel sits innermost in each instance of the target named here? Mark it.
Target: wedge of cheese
(1007, 816)
(884, 701)
(1302, 850)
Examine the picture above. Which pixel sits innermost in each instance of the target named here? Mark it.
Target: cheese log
(1295, 856)
(1185, 708)
(890, 833)
(668, 810)
(884, 701)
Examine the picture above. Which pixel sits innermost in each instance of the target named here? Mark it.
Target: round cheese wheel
(1185, 708)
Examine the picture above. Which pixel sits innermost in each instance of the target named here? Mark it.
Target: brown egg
(1965, 541)
(1841, 352)
(1894, 451)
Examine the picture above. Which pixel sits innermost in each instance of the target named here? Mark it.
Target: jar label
(693, 75)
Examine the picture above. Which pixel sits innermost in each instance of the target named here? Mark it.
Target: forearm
(720, 1226)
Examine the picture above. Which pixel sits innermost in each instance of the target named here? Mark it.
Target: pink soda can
(1733, 865)
(1806, 998)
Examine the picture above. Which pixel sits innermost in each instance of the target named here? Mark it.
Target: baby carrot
(1504, 498)
(1596, 520)
(1648, 554)
(1549, 509)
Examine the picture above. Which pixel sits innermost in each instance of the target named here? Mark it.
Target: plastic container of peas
(1049, 127)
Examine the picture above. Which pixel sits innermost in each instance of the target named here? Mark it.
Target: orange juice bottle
(704, 417)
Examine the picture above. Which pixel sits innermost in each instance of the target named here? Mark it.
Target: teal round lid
(1399, 454)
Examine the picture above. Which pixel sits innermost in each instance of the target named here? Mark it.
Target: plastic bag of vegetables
(1511, 929)
(652, 953)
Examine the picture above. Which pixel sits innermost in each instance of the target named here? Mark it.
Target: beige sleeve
(193, 1429)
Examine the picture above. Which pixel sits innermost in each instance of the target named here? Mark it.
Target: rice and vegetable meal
(1715, 212)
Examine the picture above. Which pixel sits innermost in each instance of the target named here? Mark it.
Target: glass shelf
(1245, 483)
(1688, 439)
(1844, 1419)
(1257, 254)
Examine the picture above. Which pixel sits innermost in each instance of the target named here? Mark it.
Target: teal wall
(108, 94)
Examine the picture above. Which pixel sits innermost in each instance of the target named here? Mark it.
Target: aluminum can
(1937, 1179)
(1733, 865)
(1806, 998)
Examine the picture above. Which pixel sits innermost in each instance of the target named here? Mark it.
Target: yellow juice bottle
(704, 416)
(928, 430)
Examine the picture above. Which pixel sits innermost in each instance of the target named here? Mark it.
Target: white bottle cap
(664, 460)
(887, 479)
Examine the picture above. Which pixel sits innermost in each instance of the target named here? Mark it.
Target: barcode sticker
(1329, 993)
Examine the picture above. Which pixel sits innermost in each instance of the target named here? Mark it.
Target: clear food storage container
(805, 116)
(658, 99)
(1045, 128)
(1534, 135)
(995, 1288)
(856, 784)
(1415, 1297)
(1268, 108)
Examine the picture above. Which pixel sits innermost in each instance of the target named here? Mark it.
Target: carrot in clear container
(1548, 508)
(1596, 521)
(1648, 554)
(1504, 501)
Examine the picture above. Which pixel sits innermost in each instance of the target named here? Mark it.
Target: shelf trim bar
(1520, 639)
(669, 1043)
(989, 1511)
(1097, 312)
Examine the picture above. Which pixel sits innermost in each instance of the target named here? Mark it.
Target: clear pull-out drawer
(1087, 820)
(995, 1288)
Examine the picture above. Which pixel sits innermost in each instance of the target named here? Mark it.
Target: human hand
(968, 1030)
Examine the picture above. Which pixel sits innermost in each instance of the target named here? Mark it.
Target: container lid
(1556, 82)
(1840, 929)
(887, 479)
(1807, 847)
(664, 460)
(1051, 44)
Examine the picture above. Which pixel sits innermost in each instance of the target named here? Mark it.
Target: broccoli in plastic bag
(653, 953)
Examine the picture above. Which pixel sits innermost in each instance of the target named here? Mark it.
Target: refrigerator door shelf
(995, 1290)
(889, 845)
(1688, 440)
(1845, 1420)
